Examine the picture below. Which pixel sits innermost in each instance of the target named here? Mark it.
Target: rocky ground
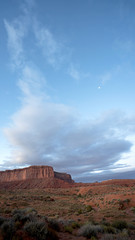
(108, 208)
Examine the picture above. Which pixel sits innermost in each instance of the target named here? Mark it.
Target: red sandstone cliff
(34, 175)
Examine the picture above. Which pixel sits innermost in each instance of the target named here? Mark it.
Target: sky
(67, 87)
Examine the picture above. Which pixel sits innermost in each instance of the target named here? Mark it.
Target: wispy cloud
(16, 34)
(52, 49)
(17, 30)
(74, 73)
(32, 82)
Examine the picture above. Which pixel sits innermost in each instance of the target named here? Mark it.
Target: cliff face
(33, 172)
(63, 176)
(26, 173)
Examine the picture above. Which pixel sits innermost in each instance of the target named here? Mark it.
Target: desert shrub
(127, 200)
(80, 211)
(107, 237)
(30, 210)
(24, 215)
(18, 211)
(28, 218)
(8, 230)
(7, 211)
(54, 224)
(105, 223)
(68, 229)
(89, 230)
(131, 226)
(132, 209)
(2, 220)
(120, 224)
(24, 211)
(75, 225)
(17, 217)
(93, 238)
(122, 237)
(109, 229)
(89, 208)
(52, 235)
(38, 230)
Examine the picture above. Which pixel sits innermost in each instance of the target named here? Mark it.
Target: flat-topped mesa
(63, 176)
(33, 172)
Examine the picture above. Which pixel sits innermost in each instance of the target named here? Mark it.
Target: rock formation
(34, 176)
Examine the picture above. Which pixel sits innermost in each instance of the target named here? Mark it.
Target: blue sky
(67, 86)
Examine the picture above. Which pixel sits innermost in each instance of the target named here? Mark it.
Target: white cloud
(32, 82)
(47, 133)
(51, 48)
(15, 35)
(17, 30)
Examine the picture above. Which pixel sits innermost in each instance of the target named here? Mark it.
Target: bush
(89, 230)
(131, 226)
(52, 235)
(2, 220)
(89, 208)
(75, 225)
(28, 218)
(132, 209)
(109, 229)
(38, 230)
(24, 215)
(54, 224)
(107, 237)
(7, 230)
(122, 237)
(80, 211)
(24, 211)
(68, 229)
(120, 224)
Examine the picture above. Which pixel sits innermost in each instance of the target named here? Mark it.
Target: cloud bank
(52, 134)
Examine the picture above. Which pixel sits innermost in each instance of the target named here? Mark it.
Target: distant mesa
(34, 177)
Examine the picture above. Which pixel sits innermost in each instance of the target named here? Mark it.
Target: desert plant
(37, 229)
(109, 229)
(75, 225)
(122, 237)
(80, 211)
(68, 229)
(132, 209)
(93, 238)
(89, 208)
(131, 226)
(89, 230)
(120, 224)
(24, 211)
(127, 200)
(2, 220)
(107, 237)
(54, 224)
(52, 235)
(8, 230)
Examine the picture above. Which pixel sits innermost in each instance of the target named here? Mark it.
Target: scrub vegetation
(95, 211)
